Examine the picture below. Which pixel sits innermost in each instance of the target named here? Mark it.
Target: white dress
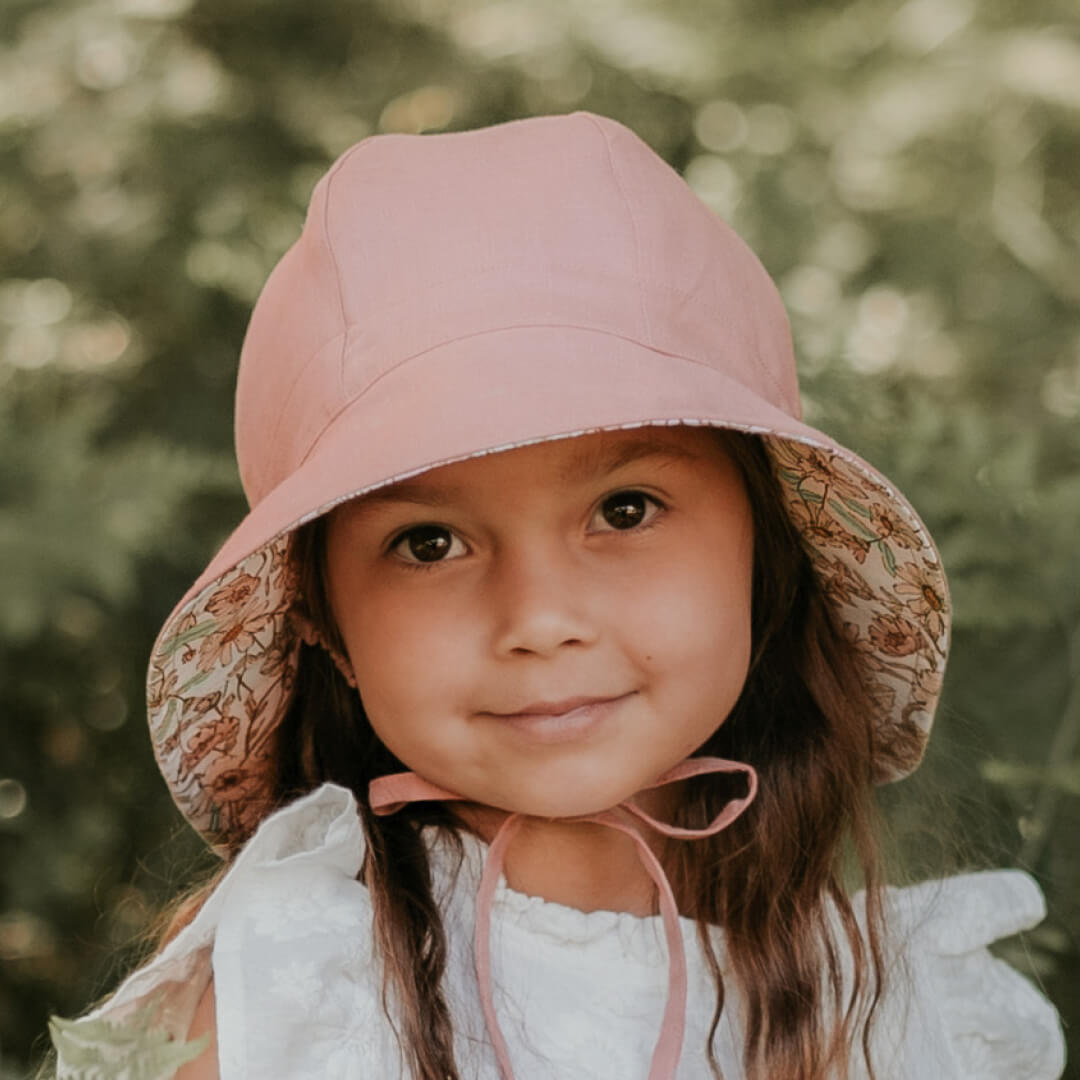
(579, 996)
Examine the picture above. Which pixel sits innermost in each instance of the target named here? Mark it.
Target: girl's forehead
(563, 460)
(602, 451)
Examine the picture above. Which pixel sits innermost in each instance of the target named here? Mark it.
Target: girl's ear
(308, 633)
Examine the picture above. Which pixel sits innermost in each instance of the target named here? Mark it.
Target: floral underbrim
(222, 673)
(882, 574)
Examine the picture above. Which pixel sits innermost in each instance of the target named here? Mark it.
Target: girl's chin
(559, 805)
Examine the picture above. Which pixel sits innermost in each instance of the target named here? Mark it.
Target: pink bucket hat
(462, 293)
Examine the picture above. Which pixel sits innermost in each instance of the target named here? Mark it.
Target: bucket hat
(462, 293)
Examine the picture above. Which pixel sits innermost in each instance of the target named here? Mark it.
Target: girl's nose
(542, 603)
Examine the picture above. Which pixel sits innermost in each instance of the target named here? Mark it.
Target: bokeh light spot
(12, 799)
(721, 126)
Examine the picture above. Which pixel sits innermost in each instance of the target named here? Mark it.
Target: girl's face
(547, 629)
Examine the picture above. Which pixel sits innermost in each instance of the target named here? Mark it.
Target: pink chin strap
(389, 794)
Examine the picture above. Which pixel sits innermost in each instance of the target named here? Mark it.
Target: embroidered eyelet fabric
(287, 939)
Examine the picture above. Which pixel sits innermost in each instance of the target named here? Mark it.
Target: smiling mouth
(559, 708)
(562, 721)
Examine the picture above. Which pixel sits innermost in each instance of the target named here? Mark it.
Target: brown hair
(774, 880)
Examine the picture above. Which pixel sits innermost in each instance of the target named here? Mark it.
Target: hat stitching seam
(346, 333)
(338, 277)
(641, 279)
(638, 277)
(480, 333)
(498, 269)
(794, 406)
(301, 371)
(348, 327)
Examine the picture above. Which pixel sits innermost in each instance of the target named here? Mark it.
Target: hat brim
(221, 670)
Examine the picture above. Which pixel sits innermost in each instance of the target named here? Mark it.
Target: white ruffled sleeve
(970, 1016)
(140, 1031)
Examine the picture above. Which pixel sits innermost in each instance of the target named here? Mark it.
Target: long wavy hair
(776, 881)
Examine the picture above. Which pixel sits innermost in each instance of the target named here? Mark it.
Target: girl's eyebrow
(593, 464)
(586, 465)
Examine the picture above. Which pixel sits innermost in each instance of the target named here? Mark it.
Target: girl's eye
(427, 544)
(628, 509)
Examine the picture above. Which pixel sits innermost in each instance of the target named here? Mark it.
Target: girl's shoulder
(294, 882)
(952, 1000)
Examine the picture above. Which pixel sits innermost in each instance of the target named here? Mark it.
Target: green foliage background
(908, 170)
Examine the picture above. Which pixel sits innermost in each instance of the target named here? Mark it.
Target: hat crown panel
(414, 241)
(288, 381)
(706, 293)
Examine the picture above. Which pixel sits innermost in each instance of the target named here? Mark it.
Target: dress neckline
(601, 934)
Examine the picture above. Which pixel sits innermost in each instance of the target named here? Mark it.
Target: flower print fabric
(287, 937)
(211, 722)
(889, 593)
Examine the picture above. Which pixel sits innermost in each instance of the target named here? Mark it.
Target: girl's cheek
(417, 637)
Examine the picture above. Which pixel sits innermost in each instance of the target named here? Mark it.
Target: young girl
(537, 704)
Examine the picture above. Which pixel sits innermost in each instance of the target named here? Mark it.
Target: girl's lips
(562, 721)
(557, 708)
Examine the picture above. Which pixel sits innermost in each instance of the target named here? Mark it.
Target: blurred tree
(907, 170)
